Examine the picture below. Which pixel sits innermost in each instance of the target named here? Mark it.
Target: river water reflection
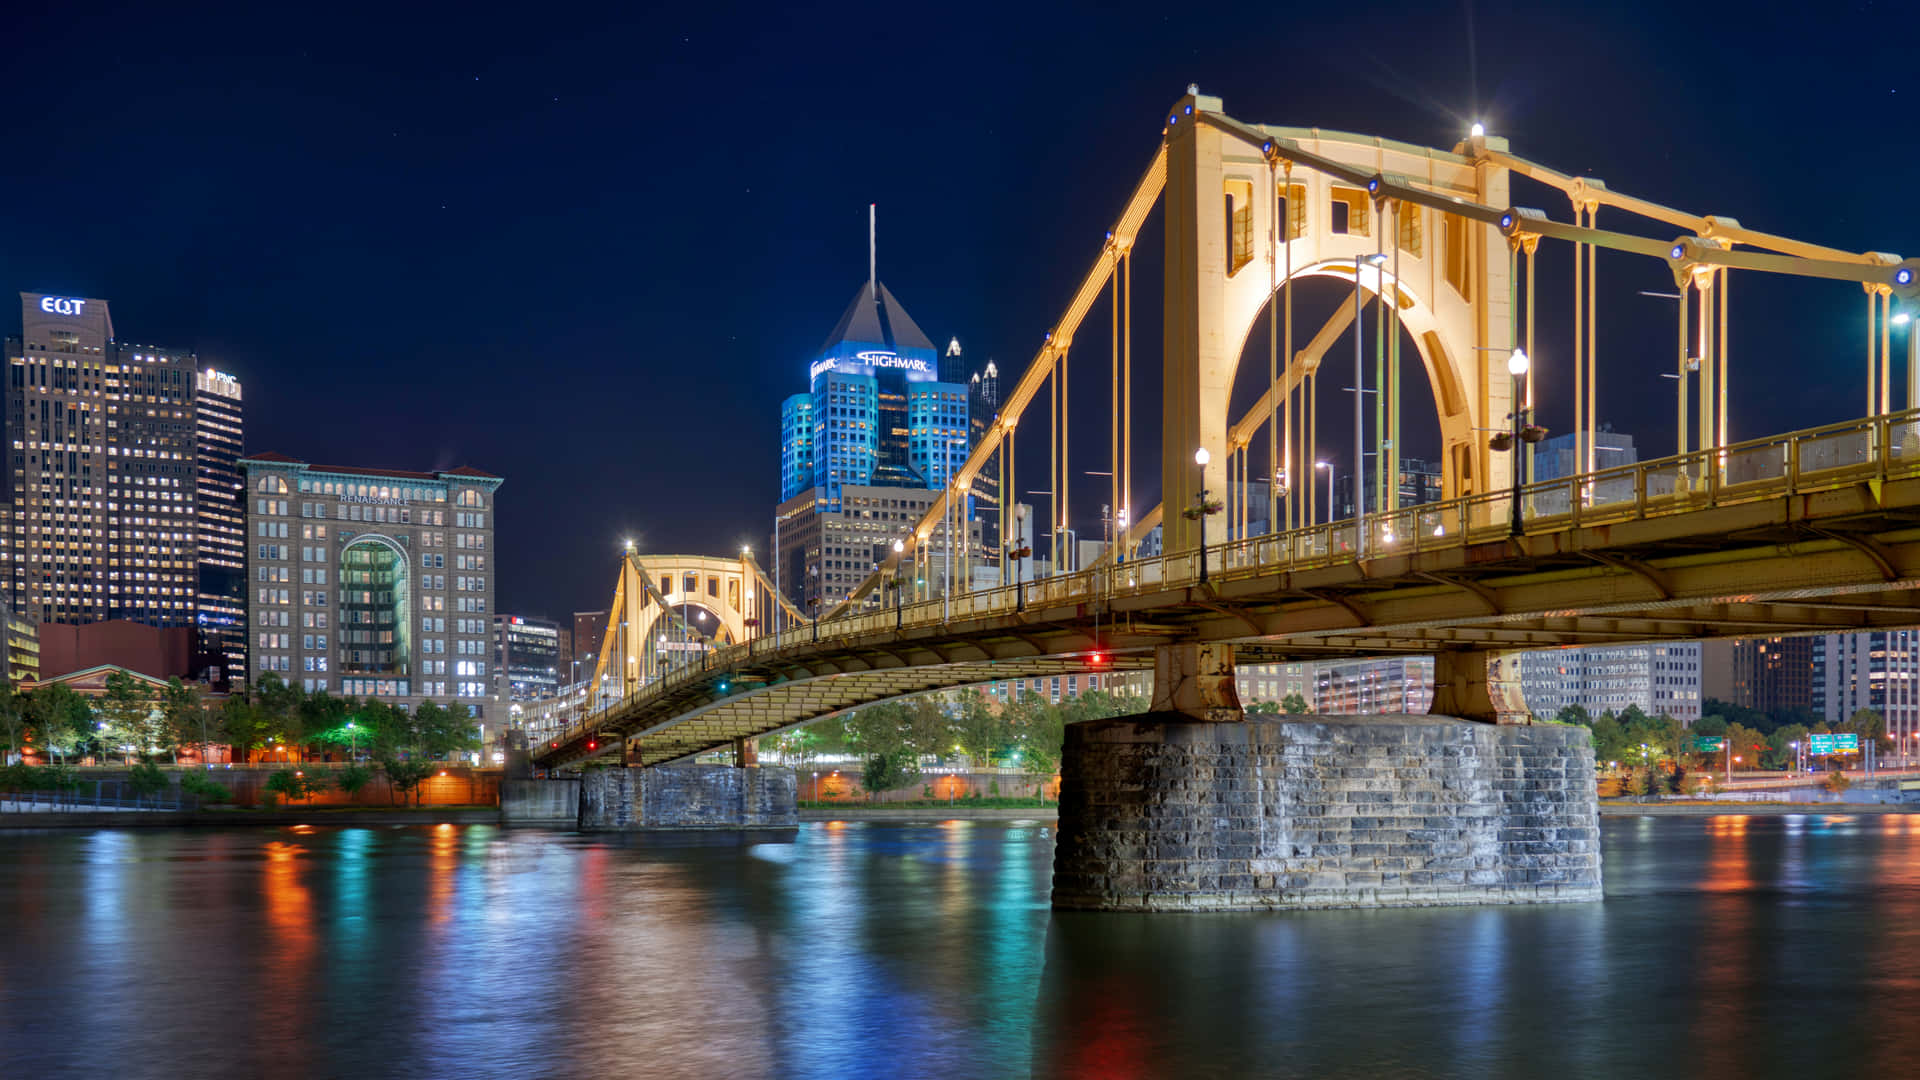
(1728, 946)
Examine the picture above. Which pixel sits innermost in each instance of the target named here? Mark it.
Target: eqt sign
(60, 305)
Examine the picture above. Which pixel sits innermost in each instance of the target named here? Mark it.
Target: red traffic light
(591, 745)
(1099, 658)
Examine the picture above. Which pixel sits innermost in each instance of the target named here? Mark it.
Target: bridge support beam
(1478, 685)
(1161, 812)
(1196, 682)
(745, 753)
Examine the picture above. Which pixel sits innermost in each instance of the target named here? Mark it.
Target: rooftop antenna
(873, 290)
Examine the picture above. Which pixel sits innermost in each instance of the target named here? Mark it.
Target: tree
(13, 718)
(439, 732)
(1264, 708)
(405, 776)
(890, 771)
(243, 725)
(185, 717)
(291, 785)
(59, 717)
(1609, 739)
(1294, 705)
(147, 779)
(1868, 724)
(1709, 725)
(204, 789)
(278, 702)
(1748, 745)
(351, 779)
(1783, 745)
(879, 729)
(1574, 714)
(979, 729)
(127, 710)
(1836, 782)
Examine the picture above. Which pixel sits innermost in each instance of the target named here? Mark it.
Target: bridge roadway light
(1327, 465)
(1200, 458)
(1479, 129)
(899, 546)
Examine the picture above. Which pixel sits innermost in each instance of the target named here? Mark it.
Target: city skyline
(398, 177)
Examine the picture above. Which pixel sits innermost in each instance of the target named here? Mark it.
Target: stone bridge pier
(1196, 806)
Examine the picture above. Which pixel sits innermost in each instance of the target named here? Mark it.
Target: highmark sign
(62, 305)
(865, 363)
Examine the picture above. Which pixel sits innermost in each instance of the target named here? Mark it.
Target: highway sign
(1709, 744)
(1833, 744)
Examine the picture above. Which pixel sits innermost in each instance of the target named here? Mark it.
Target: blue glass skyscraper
(875, 413)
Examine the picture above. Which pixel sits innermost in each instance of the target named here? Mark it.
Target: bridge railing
(1823, 458)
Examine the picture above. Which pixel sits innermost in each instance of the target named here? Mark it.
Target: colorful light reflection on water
(1747, 945)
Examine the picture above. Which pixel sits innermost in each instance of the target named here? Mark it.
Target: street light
(1523, 430)
(350, 742)
(1016, 551)
(1200, 458)
(1327, 465)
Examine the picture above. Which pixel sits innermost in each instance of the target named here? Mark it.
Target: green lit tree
(1295, 705)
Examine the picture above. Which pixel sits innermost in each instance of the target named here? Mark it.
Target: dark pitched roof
(468, 470)
(277, 459)
(877, 320)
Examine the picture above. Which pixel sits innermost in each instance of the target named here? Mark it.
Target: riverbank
(1047, 814)
(171, 819)
(1747, 809)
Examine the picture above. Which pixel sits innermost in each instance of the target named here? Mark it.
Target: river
(1727, 946)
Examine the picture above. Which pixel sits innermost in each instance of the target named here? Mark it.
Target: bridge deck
(1814, 531)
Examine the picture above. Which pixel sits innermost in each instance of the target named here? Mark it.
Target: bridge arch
(1229, 254)
(650, 591)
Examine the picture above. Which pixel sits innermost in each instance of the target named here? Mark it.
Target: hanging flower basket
(1193, 513)
(751, 622)
(1020, 553)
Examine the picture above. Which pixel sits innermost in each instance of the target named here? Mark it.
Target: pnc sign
(62, 305)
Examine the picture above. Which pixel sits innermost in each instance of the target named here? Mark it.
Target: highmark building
(874, 436)
(373, 582)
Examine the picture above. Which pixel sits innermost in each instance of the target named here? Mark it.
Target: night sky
(591, 250)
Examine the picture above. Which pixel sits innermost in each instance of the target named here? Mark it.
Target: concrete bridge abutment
(1162, 812)
(687, 797)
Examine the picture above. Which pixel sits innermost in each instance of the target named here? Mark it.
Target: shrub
(1836, 782)
(204, 789)
(147, 779)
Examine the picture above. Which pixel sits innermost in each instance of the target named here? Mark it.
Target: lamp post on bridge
(1524, 431)
(1201, 507)
(1327, 465)
(1016, 550)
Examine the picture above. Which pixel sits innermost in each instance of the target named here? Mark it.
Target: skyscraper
(109, 520)
(221, 555)
(877, 414)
